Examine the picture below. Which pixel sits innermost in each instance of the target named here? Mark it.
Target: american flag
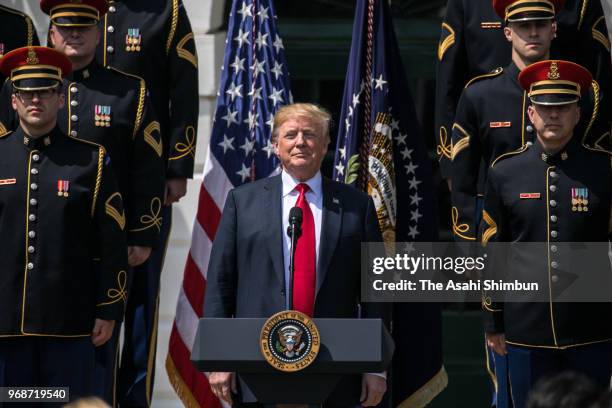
(381, 148)
(254, 85)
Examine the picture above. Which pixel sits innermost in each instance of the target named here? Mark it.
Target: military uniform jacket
(582, 37)
(492, 120)
(472, 43)
(59, 209)
(112, 108)
(529, 199)
(153, 39)
(16, 30)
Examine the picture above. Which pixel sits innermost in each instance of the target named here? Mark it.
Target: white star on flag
(340, 168)
(238, 64)
(415, 215)
(414, 199)
(413, 182)
(242, 37)
(261, 40)
(245, 11)
(247, 146)
(245, 172)
(276, 96)
(227, 143)
(263, 14)
(258, 67)
(379, 82)
(230, 117)
(277, 70)
(413, 232)
(410, 168)
(234, 91)
(278, 44)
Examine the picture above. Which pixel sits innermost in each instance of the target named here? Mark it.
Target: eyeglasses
(28, 96)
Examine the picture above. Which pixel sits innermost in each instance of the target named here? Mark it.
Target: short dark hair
(567, 389)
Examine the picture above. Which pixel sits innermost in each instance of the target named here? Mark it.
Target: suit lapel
(330, 229)
(272, 213)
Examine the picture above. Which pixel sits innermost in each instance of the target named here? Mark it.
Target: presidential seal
(289, 341)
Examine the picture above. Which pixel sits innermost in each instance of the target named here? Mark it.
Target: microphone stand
(294, 231)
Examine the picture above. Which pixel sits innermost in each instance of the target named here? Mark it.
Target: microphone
(295, 222)
(294, 231)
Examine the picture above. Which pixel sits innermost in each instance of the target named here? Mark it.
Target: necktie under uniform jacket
(59, 209)
(246, 276)
(529, 199)
(153, 39)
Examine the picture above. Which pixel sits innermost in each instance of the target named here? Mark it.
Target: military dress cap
(74, 13)
(555, 82)
(35, 68)
(527, 10)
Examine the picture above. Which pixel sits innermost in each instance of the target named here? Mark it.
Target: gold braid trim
(101, 154)
(599, 36)
(30, 31)
(585, 4)
(459, 229)
(113, 212)
(187, 148)
(448, 41)
(3, 130)
(182, 390)
(491, 228)
(493, 73)
(141, 102)
(424, 395)
(115, 295)
(444, 148)
(185, 54)
(487, 303)
(175, 7)
(152, 220)
(595, 86)
(148, 137)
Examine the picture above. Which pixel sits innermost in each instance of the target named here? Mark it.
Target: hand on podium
(373, 388)
(223, 385)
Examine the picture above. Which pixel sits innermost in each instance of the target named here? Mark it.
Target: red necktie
(304, 277)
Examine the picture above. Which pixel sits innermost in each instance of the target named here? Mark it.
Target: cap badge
(553, 72)
(32, 58)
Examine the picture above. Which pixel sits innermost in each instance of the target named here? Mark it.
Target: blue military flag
(381, 150)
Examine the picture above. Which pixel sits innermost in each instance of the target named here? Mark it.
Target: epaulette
(4, 132)
(99, 146)
(124, 73)
(597, 149)
(509, 154)
(13, 11)
(26, 19)
(494, 73)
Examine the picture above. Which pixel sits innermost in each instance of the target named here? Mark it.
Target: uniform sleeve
(451, 77)
(146, 178)
(493, 229)
(220, 296)
(111, 281)
(184, 97)
(466, 157)
(8, 119)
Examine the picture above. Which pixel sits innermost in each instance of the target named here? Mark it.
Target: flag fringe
(424, 395)
(180, 388)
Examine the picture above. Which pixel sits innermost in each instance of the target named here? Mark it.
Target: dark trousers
(527, 365)
(137, 368)
(47, 362)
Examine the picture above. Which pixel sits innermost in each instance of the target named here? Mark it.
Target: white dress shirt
(314, 196)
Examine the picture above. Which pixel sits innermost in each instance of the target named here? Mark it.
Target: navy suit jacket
(246, 271)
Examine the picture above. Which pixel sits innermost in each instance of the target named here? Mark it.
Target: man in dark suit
(248, 270)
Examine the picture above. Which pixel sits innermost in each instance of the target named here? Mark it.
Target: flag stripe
(239, 151)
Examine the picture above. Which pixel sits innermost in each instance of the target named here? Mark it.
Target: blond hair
(307, 110)
(89, 402)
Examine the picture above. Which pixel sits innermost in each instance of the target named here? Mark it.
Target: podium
(348, 346)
